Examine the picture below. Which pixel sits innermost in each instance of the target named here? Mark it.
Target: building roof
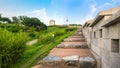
(87, 23)
(113, 19)
(101, 14)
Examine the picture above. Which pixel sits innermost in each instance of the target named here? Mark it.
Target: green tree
(6, 19)
(0, 17)
(33, 22)
(22, 18)
(15, 19)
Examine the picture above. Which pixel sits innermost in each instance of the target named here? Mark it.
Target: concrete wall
(102, 46)
(87, 31)
(114, 33)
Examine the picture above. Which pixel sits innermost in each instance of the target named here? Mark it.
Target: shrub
(12, 47)
(32, 34)
(44, 39)
(11, 27)
(70, 29)
(60, 32)
(16, 29)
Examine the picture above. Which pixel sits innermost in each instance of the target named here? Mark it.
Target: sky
(76, 11)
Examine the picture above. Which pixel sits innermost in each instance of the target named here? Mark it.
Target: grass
(38, 51)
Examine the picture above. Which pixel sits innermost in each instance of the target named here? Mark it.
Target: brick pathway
(61, 52)
(73, 52)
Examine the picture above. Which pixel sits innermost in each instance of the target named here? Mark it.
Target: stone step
(68, 62)
(61, 52)
(79, 33)
(73, 61)
(72, 45)
(76, 37)
(79, 30)
(72, 53)
(74, 40)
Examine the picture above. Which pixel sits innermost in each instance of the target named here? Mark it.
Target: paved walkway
(32, 42)
(73, 52)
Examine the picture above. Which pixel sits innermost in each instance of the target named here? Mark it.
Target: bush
(44, 39)
(15, 30)
(12, 47)
(70, 29)
(11, 27)
(32, 34)
(58, 33)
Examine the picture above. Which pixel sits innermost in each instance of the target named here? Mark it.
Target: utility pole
(67, 21)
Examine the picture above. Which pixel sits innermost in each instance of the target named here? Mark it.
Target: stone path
(72, 53)
(32, 42)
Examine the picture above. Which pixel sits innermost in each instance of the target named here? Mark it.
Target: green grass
(38, 51)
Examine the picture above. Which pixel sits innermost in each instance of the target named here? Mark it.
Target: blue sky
(77, 11)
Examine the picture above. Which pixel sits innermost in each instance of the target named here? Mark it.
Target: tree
(33, 22)
(21, 18)
(0, 16)
(15, 19)
(6, 19)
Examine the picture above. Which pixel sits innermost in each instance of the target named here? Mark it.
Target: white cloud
(95, 9)
(59, 20)
(90, 14)
(41, 14)
(104, 6)
(116, 0)
(107, 3)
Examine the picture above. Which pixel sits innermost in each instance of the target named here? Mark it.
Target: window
(115, 45)
(100, 33)
(94, 34)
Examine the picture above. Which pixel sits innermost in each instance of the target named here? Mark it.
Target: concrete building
(52, 22)
(104, 38)
(87, 30)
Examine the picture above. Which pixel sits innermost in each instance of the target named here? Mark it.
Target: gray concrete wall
(87, 31)
(114, 33)
(102, 46)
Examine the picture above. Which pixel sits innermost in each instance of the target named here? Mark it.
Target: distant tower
(52, 22)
